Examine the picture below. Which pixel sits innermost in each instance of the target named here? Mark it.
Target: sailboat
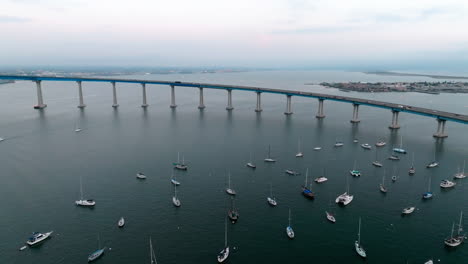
(377, 162)
(175, 200)
(250, 164)
(228, 189)
(178, 165)
(400, 149)
(271, 200)
(173, 180)
(428, 194)
(366, 146)
(77, 128)
(345, 198)
(152, 254)
(291, 172)
(359, 249)
(224, 254)
(381, 143)
(462, 174)
(289, 230)
(355, 172)
(268, 158)
(433, 163)
(382, 185)
(121, 222)
(322, 178)
(299, 152)
(330, 216)
(141, 176)
(408, 210)
(81, 202)
(460, 236)
(96, 254)
(412, 170)
(233, 214)
(306, 191)
(338, 143)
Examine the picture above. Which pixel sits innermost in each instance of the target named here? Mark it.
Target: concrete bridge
(395, 109)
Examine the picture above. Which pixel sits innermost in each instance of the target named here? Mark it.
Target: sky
(243, 33)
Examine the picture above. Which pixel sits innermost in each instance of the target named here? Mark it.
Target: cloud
(13, 19)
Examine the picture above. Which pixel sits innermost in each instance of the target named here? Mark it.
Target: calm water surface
(42, 160)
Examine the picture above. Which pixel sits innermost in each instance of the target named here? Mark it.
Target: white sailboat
(382, 185)
(152, 254)
(228, 189)
(330, 216)
(359, 249)
(408, 210)
(268, 158)
(77, 128)
(250, 164)
(412, 170)
(400, 149)
(299, 152)
(96, 254)
(224, 254)
(289, 230)
(175, 200)
(433, 163)
(82, 202)
(345, 198)
(173, 180)
(462, 174)
(377, 163)
(180, 165)
(271, 200)
(121, 222)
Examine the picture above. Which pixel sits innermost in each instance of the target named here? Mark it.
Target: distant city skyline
(420, 34)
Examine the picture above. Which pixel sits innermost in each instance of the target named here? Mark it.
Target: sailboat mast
(225, 233)
(151, 251)
(307, 174)
(81, 189)
(464, 163)
(269, 151)
(429, 187)
(178, 157)
(289, 218)
(359, 232)
(401, 142)
(460, 228)
(412, 161)
(271, 190)
(229, 180)
(299, 145)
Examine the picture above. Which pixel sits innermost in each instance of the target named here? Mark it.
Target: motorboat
(272, 201)
(78, 129)
(366, 146)
(408, 210)
(380, 144)
(224, 254)
(357, 244)
(140, 176)
(291, 172)
(344, 199)
(37, 238)
(1, 139)
(96, 254)
(321, 179)
(447, 184)
(377, 164)
(330, 217)
(355, 173)
(433, 164)
(121, 222)
(394, 157)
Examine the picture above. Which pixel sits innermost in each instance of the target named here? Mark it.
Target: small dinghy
(330, 217)
(121, 222)
(140, 176)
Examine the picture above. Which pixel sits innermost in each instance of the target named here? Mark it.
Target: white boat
(271, 200)
(359, 249)
(408, 210)
(229, 190)
(428, 194)
(344, 199)
(77, 128)
(366, 146)
(447, 184)
(354, 172)
(38, 237)
(224, 254)
(462, 174)
(152, 254)
(330, 217)
(174, 181)
(377, 162)
(96, 254)
(412, 170)
(355, 140)
(453, 241)
(250, 164)
(121, 222)
(140, 176)
(429, 262)
(289, 230)
(317, 148)
(82, 202)
(382, 185)
(175, 200)
(180, 165)
(299, 152)
(1, 139)
(460, 235)
(394, 157)
(400, 149)
(291, 172)
(380, 143)
(432, 164)
(268, 158)
(321, 179)
(338, 144)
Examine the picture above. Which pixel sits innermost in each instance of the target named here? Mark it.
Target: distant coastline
(416, 75)
(383, 87)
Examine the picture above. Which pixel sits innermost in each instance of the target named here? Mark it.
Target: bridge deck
(392, 106)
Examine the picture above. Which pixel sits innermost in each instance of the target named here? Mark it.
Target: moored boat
(447, 184)
(380, 143)
(224, 254)
(366, 146)
(140, 176)
(408, 210)
(306, 191)
(357, 244)
(84, 202)
(229, 190)
(37, 238)
(269, 158)
(330, 217)
(121, 222)
(289, 229)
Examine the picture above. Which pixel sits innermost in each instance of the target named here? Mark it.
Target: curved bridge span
(440, 116)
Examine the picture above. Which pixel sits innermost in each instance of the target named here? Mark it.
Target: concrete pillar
(320, 113)
(40, 101)
(173, 104)
(440, 129)
(143, 87)
(394, 124)
(288, 105)
(114, 93)
(258, 109)
(229, 106)
(202, 103)
(80, 95)
(355, 114)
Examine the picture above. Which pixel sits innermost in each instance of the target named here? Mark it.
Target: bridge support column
(288, 105)
(320, 113)
(40, 101)
(394, 124)
(355, 114)
(201, 105)
(229, 106)
(114, 93)
(80, 95)
(258, 109)
(440, 129)
(143, 88)
(173, 104)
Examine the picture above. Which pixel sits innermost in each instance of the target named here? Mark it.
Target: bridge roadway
(441, 116)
